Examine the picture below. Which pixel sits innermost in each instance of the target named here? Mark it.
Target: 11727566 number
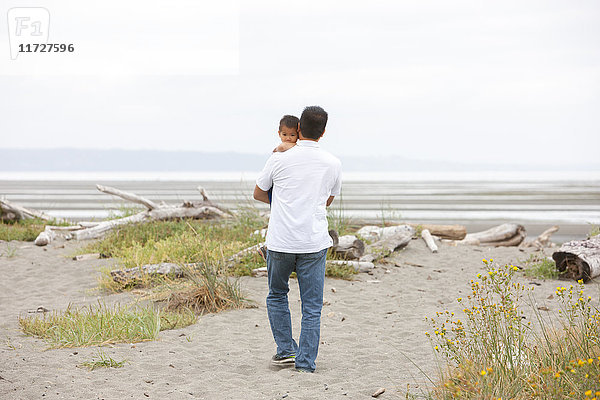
(46, 48)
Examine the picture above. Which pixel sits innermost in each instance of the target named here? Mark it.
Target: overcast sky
(498, 81)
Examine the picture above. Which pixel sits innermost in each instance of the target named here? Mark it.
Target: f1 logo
(27, 25)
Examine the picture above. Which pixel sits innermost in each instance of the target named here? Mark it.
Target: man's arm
(263, 196)
(329, 200)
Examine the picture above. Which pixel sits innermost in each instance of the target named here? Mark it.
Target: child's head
(288, 129)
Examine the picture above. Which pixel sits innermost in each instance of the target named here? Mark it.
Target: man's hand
(283, 147)
(329, 200)
(261, 195)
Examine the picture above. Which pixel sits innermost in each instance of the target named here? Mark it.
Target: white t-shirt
(302, 179)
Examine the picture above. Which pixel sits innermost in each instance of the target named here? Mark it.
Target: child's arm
(283, 147)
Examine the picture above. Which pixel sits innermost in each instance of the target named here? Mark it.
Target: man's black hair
(289, 121)
(313, 122)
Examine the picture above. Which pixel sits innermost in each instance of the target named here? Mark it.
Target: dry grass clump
(207, 289)
(101, 325)
(493, 352)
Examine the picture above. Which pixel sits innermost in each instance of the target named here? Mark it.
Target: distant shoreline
(116, 160)
(249, 175)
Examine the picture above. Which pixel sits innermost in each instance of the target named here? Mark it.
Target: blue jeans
(310, 269)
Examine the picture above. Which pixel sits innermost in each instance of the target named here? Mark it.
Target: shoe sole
(284, 361)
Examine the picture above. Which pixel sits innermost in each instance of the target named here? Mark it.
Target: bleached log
(45, 237)
(501, 235)
(513, 241)
(65, 228)
(454, 232)
(349, 247)
(359, 266)
(88, 224)
(542, 240)
(105, 226)
(129, 274)
(26, 213)
(154, 213)
(390, 243)
(134, 198)
(579, 259)
(426, 235)
(375, 233)
(208, 202)
(186, 211)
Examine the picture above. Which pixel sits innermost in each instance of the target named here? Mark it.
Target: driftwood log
(204, 209)
(374, 233)
(451, 232)
(579, 259)
(501, 235)
(426, 235)
(541, 241)
(129, 274)
(359, 266)
(13, 212)
(390, 239)
(349, 247)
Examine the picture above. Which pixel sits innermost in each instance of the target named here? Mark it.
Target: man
(305, 180)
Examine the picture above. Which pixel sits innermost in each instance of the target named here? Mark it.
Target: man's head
(313, 122)
(288, 129)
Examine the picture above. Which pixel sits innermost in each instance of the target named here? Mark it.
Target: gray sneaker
(283, 360)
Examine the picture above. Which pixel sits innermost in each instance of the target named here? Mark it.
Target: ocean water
(473, 198)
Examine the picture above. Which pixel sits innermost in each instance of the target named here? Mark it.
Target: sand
(372, 332)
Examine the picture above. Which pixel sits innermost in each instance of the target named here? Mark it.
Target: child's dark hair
(289, 121)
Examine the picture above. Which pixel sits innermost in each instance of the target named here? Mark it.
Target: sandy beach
(372, 332)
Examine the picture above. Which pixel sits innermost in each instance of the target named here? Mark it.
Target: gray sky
(477, 81)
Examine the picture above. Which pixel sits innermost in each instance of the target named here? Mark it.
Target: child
(288, 133)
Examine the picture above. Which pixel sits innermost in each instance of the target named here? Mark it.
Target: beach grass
(10, 251)
(595, 231)
(538, 265)
(189, 241)
(345, 272)
(180, 241)
(102, 360)
(206, 287)
(97, 325)
(24, 230)
(502, 347)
